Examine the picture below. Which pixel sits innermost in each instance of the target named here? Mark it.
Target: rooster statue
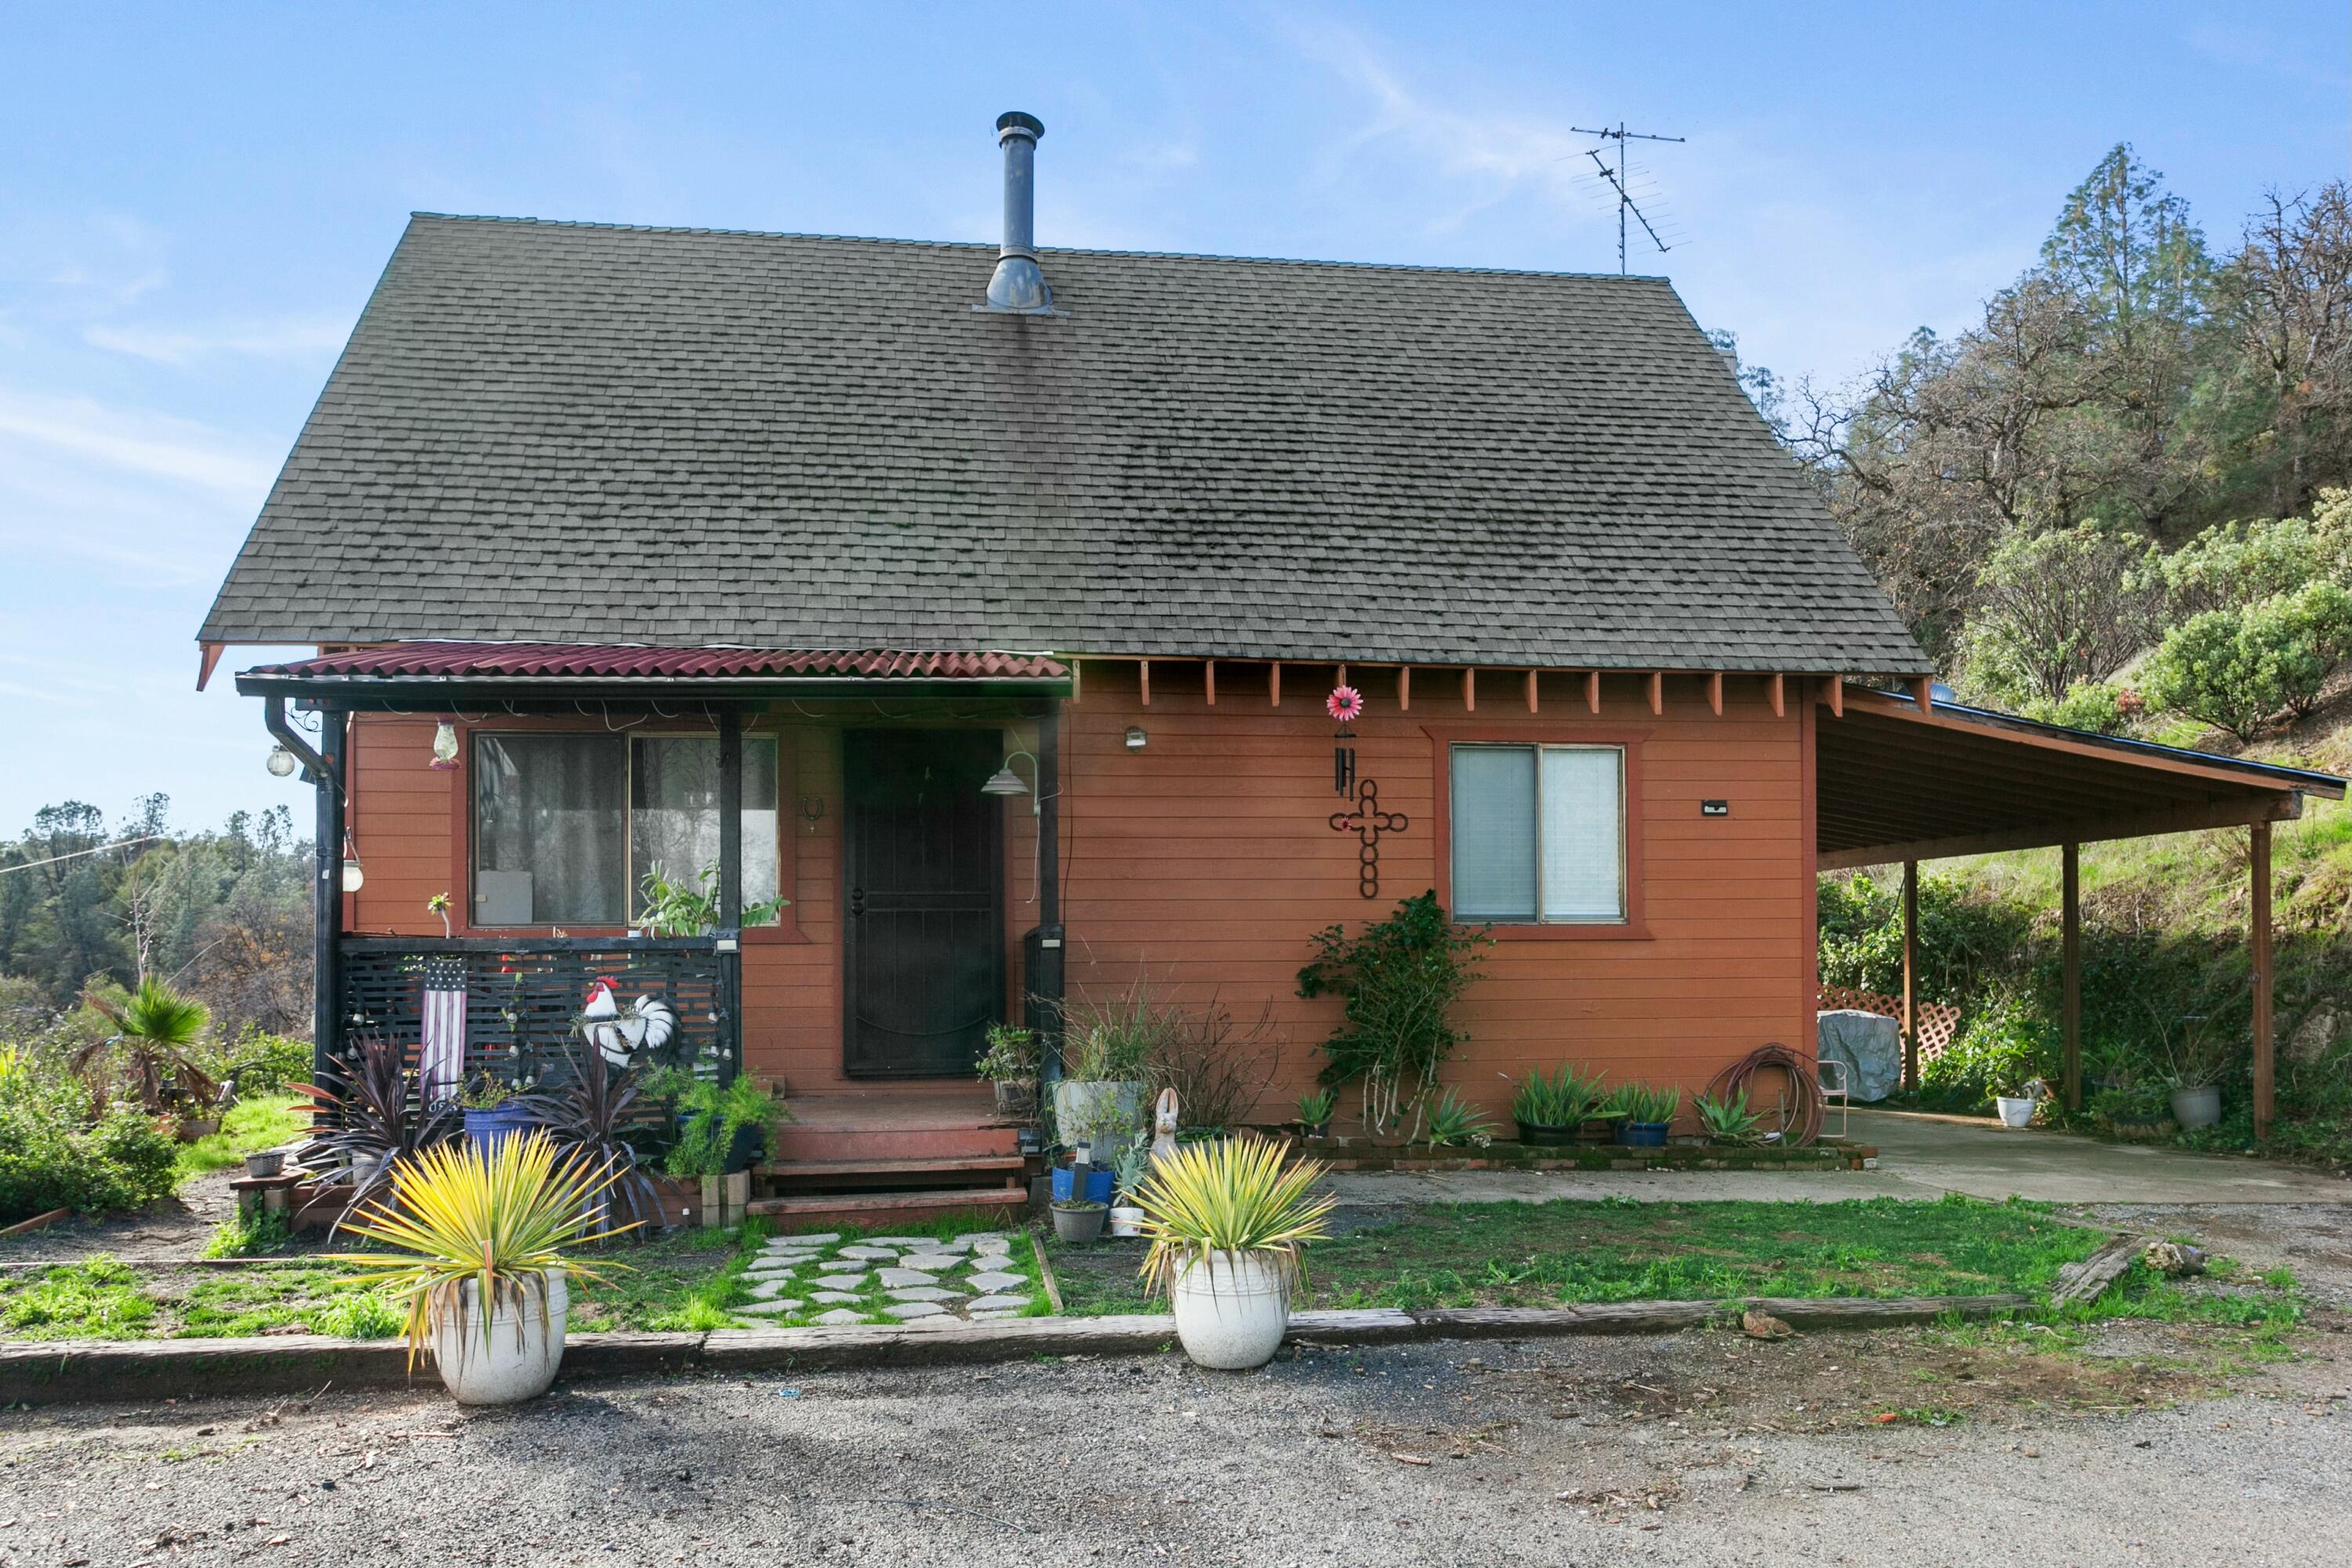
(618, 1032)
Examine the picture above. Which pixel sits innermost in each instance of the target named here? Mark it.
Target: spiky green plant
(1317, 1107)
(1727, 1119)
(156, 1027)
(1453, 1121)
(1231, 1194)
(502, 1222)
(1563, 1099)
(1640, 1102)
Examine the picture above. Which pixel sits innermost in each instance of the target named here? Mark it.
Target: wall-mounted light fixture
(354, 874)
(1136, 739)
(280, 762)
(445, 747)
(1006, 781)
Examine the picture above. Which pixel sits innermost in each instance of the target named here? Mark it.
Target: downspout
(273, 715)
(324, 770)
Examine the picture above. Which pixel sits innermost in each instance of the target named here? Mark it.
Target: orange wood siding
(1206, 861)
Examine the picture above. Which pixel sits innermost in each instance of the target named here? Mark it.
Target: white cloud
(260, 340)
(151, 444)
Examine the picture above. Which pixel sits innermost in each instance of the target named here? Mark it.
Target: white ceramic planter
(1126, 1220)
(1230, 1310)
(519, 1359)
(2017, 1111)
(1097, 1106)
(2197, 1106)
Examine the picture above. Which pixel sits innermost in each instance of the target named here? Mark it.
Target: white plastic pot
(1126, 1219)
(1230, 1310)
(518, 1358)
(2197, 1106)
(2016, 1111)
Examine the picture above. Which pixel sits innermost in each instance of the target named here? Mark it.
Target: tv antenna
(1617, 182)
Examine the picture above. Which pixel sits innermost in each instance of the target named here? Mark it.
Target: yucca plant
(1643, 1104)
(1563, 1099)
(1317, 1107)
(503, 1221)
(1727, 1119)
(1231, 1194)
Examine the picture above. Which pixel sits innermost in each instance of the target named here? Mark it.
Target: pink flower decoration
(1344, 704)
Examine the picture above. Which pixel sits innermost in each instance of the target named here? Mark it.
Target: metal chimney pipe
(1017, 285)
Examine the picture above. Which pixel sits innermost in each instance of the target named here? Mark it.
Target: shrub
(2057, 609)
(54, 1154)
(1965, 943)
(2001, 1048)
(2101, 706)
(2234, 564)
(2235, 668)
(1397, 980)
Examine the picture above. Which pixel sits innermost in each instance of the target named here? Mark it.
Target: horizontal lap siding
(1206, 861)
(400, 824)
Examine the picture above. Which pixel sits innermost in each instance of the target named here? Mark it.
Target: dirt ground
(2151, 1444)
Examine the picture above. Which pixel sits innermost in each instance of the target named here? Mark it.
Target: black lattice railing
(522, 995)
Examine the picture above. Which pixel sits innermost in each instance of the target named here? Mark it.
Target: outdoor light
(281, 764)
(1006, 781)
(1136, 738)
(445, 747)
(354, 874)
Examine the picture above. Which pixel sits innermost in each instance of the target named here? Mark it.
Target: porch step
(852, 1172)
(996, 1205)
(885, 1125)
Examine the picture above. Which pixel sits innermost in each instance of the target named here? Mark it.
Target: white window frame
(1624, 890)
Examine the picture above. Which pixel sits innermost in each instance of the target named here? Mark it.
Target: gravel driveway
(1702, 1448)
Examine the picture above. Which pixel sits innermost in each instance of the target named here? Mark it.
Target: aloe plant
(1643, 1103)
(1563, 1099)
(1727, 1119)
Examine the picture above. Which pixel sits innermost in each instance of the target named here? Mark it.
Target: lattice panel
(1939, 1022)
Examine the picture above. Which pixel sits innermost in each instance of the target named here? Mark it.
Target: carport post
(2259, 844)
(2070, 967)
(1910, 973)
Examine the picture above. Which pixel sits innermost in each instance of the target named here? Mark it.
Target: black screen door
(923, 944)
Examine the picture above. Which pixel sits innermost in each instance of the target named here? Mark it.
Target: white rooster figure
(619, 1034)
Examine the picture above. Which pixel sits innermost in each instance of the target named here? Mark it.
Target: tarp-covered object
(1870, 1046)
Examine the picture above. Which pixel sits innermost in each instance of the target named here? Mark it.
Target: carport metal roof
(1897, 781)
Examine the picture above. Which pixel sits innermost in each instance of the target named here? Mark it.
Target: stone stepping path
(925, 1281)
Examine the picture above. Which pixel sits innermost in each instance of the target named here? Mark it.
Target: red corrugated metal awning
(471, 661)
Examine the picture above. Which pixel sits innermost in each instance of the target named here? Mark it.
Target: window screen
(1539, 832)
(674, 812)
(548, 830)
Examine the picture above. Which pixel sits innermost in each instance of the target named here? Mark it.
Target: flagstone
(806, 1238)
(996, 1303)
(915, 1310)
(840, 1281)
(869, 1252)
(934, 1261)
(835, 1298)
(839, 1315)
(993, 1280)
(904, 1277)
(766, 1288)
(766, 1309)
(923, 1293)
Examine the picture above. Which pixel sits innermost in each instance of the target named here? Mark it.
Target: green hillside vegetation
(2120, 503)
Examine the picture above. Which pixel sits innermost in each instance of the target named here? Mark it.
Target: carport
(1908, 778)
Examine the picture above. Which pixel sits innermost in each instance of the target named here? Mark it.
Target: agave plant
(156, 1028)
(1563, 1099)
(589, 1118)
(1230, 1195)
(380, 1115)
(1317, 1107)
(1727, 1119)
(502, 1222)
(1641, 1103)
(1453, 1121)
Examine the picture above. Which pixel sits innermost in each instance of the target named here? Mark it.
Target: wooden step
(994, 1205)
(847, 1172)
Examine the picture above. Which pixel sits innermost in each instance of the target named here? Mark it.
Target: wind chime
(1368, 822)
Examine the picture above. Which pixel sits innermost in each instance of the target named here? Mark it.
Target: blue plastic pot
(1098, 1181)
(489, 1131)
(1642, 1134)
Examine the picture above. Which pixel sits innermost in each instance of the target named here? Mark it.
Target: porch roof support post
(731, 889)
(1911, 974)
(1047, 986)
(327, 903)
(2259, 844)
(2070, 968)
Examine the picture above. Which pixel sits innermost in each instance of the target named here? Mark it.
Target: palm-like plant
(588, 1117)
(381, 1115)
(156, 1028)
(502, 1222)
(1231, 1194)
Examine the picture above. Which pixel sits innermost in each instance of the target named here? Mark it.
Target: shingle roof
(570, 433)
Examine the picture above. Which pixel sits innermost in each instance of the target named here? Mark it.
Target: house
(983, 604)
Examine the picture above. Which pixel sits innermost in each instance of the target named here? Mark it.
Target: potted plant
(1227, 1221)
(1082, 1178)
(1550, 1111)
(377, 1122)
(264, 1163)
(1647, 1113)
(1316, 1108)
(478, 1241)
(495, 1110)
(1078, 1220)
(2013, 1098)
(2195, 1078)
(1109, 1048)
(591, 1115)
(1726, 1119)
(724, 1132)
(1133, 1165)
(1010, 1066)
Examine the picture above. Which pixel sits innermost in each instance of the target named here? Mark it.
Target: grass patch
(1558, 1254)
(107, 1299)
(262, 1122)
(99, 1300)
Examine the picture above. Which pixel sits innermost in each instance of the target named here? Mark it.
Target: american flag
(443, 1067)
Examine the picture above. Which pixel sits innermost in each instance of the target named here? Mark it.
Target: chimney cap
(1014, 121)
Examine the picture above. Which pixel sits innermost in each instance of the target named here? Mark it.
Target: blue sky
(196, 200)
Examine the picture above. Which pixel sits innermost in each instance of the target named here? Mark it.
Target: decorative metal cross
(1368, 822)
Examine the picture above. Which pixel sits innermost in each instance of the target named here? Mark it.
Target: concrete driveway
(1919, 1157)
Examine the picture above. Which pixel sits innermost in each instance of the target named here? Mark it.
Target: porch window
(566, 826)
(1539, 834)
